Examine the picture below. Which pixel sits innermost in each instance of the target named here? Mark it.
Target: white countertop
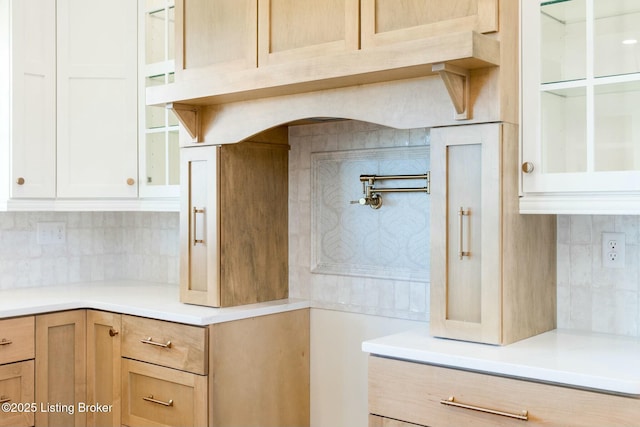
(158, 301)
(608, 363)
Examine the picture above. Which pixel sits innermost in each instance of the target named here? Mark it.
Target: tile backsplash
(145, 246)
(99, 246)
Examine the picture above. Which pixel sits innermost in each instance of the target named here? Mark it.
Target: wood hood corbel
(453, 57)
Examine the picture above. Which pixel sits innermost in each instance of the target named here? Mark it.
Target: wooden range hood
(431, 82)
(458, 71)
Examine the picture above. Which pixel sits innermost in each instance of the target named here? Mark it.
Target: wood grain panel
(412, 392)
(20, 332)
(260, 371)
(17, 384)
(187, 351)
(61, 367)
(103, 367)
(185, 395)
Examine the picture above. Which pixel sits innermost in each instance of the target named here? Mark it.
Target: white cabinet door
(580, 98)
(33, 99)
(97, 98)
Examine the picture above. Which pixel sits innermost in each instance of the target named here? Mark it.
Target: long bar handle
(150, 341)
(159, 402)
(462, 213)
(196, 211)
(4, 399)
(523, 416)
(5, 341)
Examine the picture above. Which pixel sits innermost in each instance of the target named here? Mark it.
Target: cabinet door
(297, 29)
(61, 367)
(16, 386)
(377, 421)
(466, 234)
(392, 21)
(33, 99)
(580, 97)
(97, 98)
(103, 367)
(215, 36)
(199, 226)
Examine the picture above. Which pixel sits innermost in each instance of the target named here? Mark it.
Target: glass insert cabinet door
(159, 148)
(580, 95)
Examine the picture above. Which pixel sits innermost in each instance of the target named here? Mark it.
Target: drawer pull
(524, 416)
(4, 399)
(159, 402)
(5, 341)
(150, 341)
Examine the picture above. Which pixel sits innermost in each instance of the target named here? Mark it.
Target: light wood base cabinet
(103, 368)
(233, 223)
(420, 393)
(61, 368)
(493, 271)
(16, 387)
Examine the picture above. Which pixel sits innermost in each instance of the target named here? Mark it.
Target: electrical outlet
(613, 248)
(51, 233)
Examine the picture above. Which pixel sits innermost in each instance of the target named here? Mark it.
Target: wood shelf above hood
(461, 51)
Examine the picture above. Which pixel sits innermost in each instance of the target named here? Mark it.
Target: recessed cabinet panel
(215, 35)
(97, 99)
(33, 100)
(295, 29)
(16, 386)
(391, 21)
(464, 222)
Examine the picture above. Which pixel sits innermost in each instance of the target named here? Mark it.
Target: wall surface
(350, 257)
(99, 246)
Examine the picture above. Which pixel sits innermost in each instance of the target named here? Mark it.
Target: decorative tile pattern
(332, 243)
(353, 240)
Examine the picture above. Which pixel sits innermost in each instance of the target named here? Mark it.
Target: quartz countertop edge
(154, 300)
(601, 362)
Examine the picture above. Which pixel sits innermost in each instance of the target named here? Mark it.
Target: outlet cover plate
(51, 233)
(613, 250)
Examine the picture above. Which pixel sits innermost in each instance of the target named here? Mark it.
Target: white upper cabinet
(581, 106)
(97, 98)
(33, 99)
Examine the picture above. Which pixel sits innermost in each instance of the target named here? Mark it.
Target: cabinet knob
(527, 167)
(20, 181)
(113, 332)
(131, 181)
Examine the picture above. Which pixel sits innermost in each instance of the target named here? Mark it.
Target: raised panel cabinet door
(61, 368)
(97, 137)
(199, 226)
(301, 29)
(215, 36)
(391, 21)
(33, 99)
(103, 368)
(466, 233)
(16, 386)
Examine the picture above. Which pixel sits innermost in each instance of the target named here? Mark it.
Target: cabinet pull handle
(462, 213)
(159, 402)
(150, 341)
(5, 341)
(196, 211)
(4, 399)
(524, 415)
(113, 332)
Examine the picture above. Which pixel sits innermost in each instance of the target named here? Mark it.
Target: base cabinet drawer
(442, 397)
(17, 339)
(175, 345)
(17, 391)
(159, 396)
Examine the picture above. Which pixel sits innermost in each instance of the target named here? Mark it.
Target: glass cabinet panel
(159, 155)
(616, 35)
